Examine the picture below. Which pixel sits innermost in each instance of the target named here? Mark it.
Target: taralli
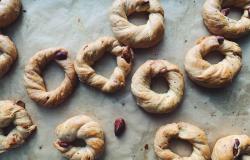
(213, 75)
(9, 11)
(14, 113)
(92, 52)
(184, 131)
(35, 84)
(148, 99)
(8, 54)
(231, 147)
(215, 17)
(143, 36)
(80, 128)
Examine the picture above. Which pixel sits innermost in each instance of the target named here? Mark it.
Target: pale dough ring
(217, 22)
(148, 99)
(184, 131)
(35, 84)
(9, 11)
(142, 36)
(92, 52)
(84, 128)
(231, 147)
(213, 75)
(14, 113)
(8, 54)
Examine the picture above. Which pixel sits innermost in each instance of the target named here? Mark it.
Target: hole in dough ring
(35, 84)
(219, 24)
(213, 75)
(142, 36)
(8, 54)
(84, 128)
(183, 131)
(10, 10)
(12, 113)
(148, 99)
(92, 52)
(231, 147)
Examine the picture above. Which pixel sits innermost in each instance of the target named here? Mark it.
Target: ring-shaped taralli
(92, 52)
(231, 147)
(14, 113)
(9, 11)
(184, 131)
(215, 18)
(35, 84)
(148, 99)
(8, 54)
(142, 36)
(213, 75)
(84, 128)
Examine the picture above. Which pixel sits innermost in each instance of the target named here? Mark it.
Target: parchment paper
(72, 23)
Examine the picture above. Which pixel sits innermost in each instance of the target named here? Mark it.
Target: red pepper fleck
(119, 126)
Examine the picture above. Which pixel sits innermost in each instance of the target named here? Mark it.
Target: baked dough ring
(9, 11)
(213, 75)
(219, 24)
(151, 101)
(84, 128)
(142, 36)
(14, 113)
(184, 131)
(231, 147)
(8, 54)
(92, 52)
(35, 84)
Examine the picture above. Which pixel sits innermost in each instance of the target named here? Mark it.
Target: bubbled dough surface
(33, 31)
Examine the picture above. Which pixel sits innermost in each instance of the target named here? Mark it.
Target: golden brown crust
(143, 36)
(84, 128)
(12, 113)
(92, 52)
(9, 11)
(151, 101)
(184, 131)
(213, 75)
(219, 24)
(8, 54)
(231, 147)
(34, 82)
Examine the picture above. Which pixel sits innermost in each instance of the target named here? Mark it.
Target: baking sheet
(72, 23)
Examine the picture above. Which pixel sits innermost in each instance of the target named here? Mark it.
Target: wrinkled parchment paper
(72, 23)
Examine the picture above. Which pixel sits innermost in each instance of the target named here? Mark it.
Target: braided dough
(184, 131)
(9, 11)
(84, 128)
(92, 52)
(14, 113)
(231, 147)
(151, 101)
(219, 24)
(35, 84)
(143, 36)
(8, 54)
(213, 75)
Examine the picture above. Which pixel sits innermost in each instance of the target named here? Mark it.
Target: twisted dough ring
(213, 75)
(14, 113)
(92, 52)
(35, 84)
(80, 127)
(151, 101)
(184, 131)
(143, 36)
(8, 54)
(216, 21)
(9, 11)
(231, 147)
